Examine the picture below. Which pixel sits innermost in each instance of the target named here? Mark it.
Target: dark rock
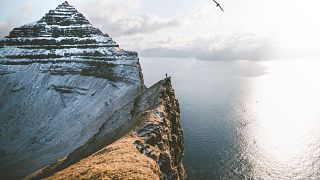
(166, 135)
(152, 139)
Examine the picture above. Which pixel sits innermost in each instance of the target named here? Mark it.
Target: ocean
(246, 119)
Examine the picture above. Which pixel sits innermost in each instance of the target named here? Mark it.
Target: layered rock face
(58, 89)
(64, 21)
(68, 90)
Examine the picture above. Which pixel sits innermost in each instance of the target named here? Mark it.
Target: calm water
(246, 120)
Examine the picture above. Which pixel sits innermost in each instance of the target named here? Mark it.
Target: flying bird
(218, 5)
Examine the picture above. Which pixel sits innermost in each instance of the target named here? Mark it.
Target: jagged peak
(64, 15)
(65, 3)
(64, 21)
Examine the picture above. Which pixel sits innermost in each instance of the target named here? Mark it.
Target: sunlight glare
(288, 108)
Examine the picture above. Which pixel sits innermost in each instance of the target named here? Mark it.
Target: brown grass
(120, 160)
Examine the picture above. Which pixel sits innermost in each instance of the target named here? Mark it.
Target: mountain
(67, 91)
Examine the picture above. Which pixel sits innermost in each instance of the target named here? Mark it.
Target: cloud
(28, 8)
(120, 18)
(7, 25)
(143, 24)
(192, 35)
(107, 10)
(241, 46)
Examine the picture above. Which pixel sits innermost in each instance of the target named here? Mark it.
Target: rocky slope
(152, 150)
(68, 90)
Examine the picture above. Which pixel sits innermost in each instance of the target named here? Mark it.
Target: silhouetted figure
(218, 5)
(166, 75)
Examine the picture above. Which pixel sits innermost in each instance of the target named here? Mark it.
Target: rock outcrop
(68, 90)
(152, 150)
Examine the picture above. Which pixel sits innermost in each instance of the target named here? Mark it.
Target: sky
(247, 30)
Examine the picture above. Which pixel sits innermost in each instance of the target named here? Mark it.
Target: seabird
(218, 5)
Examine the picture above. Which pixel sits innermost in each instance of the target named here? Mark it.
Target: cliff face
(57, 89)
(152, 150)
(68, 90)
(161, 135)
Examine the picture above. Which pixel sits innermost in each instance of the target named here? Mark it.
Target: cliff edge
(152, 150)
(68, 90)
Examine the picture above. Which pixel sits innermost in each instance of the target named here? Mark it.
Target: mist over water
(245, 119)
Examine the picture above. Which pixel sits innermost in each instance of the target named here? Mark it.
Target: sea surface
(246, 119)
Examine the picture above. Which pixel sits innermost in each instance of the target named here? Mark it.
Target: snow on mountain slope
(61, 79)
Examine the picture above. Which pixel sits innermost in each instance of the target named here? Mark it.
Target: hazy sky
(248, 29)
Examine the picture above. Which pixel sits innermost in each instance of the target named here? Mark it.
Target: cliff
(68, 90)
(152, 150)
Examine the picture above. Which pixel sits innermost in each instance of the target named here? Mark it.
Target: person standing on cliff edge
(166, 75)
